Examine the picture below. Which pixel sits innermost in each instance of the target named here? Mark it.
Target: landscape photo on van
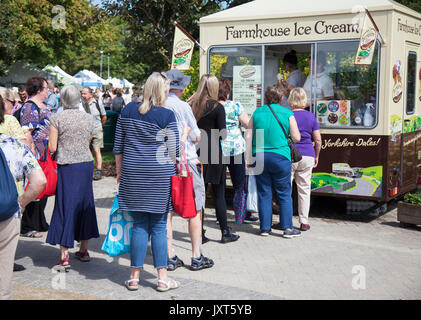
(348, 180)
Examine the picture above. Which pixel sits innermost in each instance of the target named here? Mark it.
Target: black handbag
(295, 153)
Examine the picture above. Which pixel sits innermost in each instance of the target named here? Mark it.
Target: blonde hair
(207, 90)
(297, 98)
(155, 91)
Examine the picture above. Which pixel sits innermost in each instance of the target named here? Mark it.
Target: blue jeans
(155, 226)
(277, 175)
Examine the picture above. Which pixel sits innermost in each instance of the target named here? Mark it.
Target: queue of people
(150, 135)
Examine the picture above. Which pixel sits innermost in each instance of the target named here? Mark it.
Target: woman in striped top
(146, 145)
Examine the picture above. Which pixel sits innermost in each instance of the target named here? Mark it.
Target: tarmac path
(338, 258)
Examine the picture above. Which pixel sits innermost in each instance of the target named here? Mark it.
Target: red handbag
(182, 191)
(49, 167)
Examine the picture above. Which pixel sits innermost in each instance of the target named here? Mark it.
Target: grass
(108, 157)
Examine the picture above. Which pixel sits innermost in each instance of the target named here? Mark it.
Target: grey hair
(70, 97)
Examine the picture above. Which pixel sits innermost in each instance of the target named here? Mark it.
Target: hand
(21, 206)
(316, 162)
(118, 178)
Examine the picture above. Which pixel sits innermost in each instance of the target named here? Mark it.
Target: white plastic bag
(252, 194)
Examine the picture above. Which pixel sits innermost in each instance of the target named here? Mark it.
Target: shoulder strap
(98, 108)
(279, 122)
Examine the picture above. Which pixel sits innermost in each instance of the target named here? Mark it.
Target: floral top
(74, 134)
(11, 127)
(20, 159)
(234, 143)
(38, 120)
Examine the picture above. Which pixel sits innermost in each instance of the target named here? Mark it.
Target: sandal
(63, 265)
(83, 256)
(130, 286)
(32, 234)
(170, 284)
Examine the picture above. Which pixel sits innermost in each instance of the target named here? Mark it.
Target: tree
(150, 32)
(70, 34)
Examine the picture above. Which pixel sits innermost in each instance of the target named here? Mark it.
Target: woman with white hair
(74, 215)
(145, 146)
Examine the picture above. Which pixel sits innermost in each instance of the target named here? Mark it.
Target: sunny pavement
(339, 258)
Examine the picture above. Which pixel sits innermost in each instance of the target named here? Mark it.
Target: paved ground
(341, 257)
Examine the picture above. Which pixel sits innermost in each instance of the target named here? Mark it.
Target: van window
(242, 65)
(345, 94)
(411, 80)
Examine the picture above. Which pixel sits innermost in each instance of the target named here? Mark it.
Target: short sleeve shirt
(97, 114)
(11, 127)
(38, 120)
(273, 138)
(307, 123)
(20, 160)
(322, 86)
(184, 116)
(234, 143)
(74, 128)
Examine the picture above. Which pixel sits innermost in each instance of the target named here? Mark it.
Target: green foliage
(412, 198)
(28, 34)
(413, 4)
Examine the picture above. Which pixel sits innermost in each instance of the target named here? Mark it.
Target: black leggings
(218, 195)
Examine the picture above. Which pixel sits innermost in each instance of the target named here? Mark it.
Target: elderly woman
(10, 125)
(301, 171)
(74, 216)
(145, 147)
(34, 117)
(273, 156)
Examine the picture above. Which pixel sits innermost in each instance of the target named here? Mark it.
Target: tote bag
(119, 235)
(252, 194)
(182, 192)
(49, 167)
(8, 192)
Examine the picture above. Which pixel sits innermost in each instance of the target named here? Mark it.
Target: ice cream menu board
(334, 113)
(247, 87)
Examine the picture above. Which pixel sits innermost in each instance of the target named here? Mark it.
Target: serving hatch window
(242, 65)
(411, 82)
(345, 94)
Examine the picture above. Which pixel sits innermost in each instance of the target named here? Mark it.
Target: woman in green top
(273, 157)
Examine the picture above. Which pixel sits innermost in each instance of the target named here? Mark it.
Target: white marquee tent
(21, 71)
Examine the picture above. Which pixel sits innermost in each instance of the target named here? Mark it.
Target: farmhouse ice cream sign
(320, 27)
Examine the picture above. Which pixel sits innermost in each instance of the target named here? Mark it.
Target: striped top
(149, 143)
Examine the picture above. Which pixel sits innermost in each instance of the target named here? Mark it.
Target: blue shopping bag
(119, 233)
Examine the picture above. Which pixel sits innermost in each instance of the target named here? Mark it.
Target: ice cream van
(369, 114)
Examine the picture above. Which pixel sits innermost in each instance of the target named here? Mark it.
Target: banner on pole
(367, 43)
(182, 50)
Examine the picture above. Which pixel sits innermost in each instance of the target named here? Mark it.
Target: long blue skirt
(74, 215)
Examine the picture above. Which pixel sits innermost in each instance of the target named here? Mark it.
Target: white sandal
(131, 287)
(170, 284)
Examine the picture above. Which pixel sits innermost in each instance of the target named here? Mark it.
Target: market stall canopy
(21, 71)
(274, 9)
(119, 83)
(89, 79)
(62, 76)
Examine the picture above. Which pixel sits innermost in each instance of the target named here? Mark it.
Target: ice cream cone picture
(397, 81)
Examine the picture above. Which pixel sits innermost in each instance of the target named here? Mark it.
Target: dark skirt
(33, 218)
(74, 215)
(214, 173)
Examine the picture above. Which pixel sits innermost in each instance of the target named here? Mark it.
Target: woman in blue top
(273, 160)
(146, 145)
